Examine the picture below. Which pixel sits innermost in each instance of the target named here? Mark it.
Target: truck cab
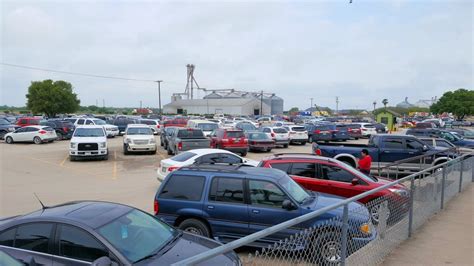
(88, 142)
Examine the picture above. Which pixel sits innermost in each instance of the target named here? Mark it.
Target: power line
(75, 73)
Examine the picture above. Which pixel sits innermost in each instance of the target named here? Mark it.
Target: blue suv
(227, 202)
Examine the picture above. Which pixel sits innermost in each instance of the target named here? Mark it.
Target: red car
(230, 139)
(331, 176)
(177, 122)
(28, 121)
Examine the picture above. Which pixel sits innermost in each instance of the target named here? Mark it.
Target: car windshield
(190, 134)
(207, 126)
(468, 133)
(235, 134)
(4, 122)
(99, 122)
(139, 131)
(299, 129)
(259, 135)
(148, 122)
(247, 126)
(183, 156)
(293, 189)
(280, 130)
(369, 126)
(137, 234)
(89, 132)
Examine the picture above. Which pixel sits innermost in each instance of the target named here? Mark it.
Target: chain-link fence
(361, 233)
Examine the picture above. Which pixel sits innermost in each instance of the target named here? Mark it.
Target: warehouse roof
(214, 102)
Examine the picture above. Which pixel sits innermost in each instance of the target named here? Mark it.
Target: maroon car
(259, 141)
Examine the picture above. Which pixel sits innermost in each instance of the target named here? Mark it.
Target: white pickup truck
(89, 142)
(111, 130)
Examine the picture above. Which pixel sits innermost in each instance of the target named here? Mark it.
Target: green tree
(51, 97)
(385, 102)
(459, 102)
(293, 110)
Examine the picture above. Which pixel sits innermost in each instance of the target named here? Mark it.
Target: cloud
(361, 52)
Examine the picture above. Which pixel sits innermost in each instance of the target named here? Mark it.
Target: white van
(205, 125)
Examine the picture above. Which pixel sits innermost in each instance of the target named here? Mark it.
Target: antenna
(42, 205)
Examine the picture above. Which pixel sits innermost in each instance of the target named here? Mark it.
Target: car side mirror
(288, 205)
(425, 148)
(102, 261)
(355, 181)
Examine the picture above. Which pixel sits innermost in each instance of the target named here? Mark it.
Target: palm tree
(385, 102)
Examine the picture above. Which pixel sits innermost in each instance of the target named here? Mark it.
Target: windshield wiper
(151, 255)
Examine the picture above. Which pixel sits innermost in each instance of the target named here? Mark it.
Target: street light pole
(159, 96)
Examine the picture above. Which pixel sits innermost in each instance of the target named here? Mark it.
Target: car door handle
(386, 151)
(411, 152)
(256, 211)
(210, 207)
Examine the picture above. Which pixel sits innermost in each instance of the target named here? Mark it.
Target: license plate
(87, 153)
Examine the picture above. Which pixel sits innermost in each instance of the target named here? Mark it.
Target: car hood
(109, 126)
(383, 181)
(88, 139)
(356, 210)
(187, 246)
(464, 143)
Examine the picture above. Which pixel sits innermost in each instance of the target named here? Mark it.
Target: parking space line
(114, 170)
(63, 161)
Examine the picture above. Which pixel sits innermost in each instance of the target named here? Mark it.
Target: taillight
(180, 145)
(156, 207)
(246, 141)
(349, 129)
(157, 126)
(172, 168)
(253, 142)
(318, 152)
(42, 132)
(65, 129)
(225, 140)
(273, 135)
(317, 131)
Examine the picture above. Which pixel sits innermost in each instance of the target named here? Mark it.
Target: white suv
(139, 138)
(111, 130)
(88, 142)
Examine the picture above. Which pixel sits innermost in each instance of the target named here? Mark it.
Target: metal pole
(443, 180)
(412, 198)
(159, 97)
(345, 225)
(460, 176)
(261, 103)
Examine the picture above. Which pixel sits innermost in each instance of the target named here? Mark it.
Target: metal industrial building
(230, 102)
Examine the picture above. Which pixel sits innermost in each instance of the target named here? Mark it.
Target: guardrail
(335, 241)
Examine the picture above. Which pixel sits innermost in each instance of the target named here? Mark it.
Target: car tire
(9, 140)
(72, 158)
(303, 143)
(168, 150)
(125, 150)
(356, 138)
(37, 140)
(194, 226)
(269, 150)
(153, 152)
(285, 145)
(59, 136)
(244, 154)
(106, 157)
(324, 245)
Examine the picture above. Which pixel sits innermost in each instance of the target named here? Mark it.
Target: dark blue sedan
(101, 233)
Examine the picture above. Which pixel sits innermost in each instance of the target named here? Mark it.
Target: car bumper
(93, 153)
(236, 149)
(262, 147)
(299, 138)
(141, 147)
(362, 241)
(281, 141)
(48, 138)
(112, 133)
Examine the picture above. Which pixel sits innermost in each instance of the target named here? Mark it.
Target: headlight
(11, 129)
(103, 144)
(152, 141)
(365, 228)
(128, 141)
(399, 192)
(73, 145)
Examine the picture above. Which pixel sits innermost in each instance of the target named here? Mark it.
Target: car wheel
(194, 226)
(244, 154)
(269, 149)
(2, 134)
(37, 140)
(153, 152)
(356, 138)
(303, 143)
(125, 149)
(168, 150)
(59, 135)
(327, 246)
(106, 157)
(9, 140)
(285, 145)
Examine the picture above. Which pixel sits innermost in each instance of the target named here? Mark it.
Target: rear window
(147, 122)
(235, 134)
(342, 127)
(190, 134)
(175, 122)
(354, 126)
(298, 129)
(280, 130)
(48, 128)
(246, 126)
(259, 135)
(207, 126)
(326, 127)
(369, 126)
(175, 188)
(183, 157)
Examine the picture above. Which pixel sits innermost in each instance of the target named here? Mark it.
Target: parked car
(176, 122)
(443, 143)
(153, 124)
(279, 135)
(63, 128)
(6, 127)
(139, 138)
(331, 176)
(367, 129)
(185, 139)
(206, 126)
(355, 131)
(384, 149)
(325, 132)
(166, 133)
(445, 134)
(231, 202)
(122, 124)
(245, 126)
(89, 141)
(100, 233)
(259, 141)
(230, 139)
(35, 134)
(380, 128)
(200, 156)
(28, 121)
(422, 125)
(298, 134)
(465, 133)
(111, 130)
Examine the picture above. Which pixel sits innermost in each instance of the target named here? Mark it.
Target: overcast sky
(361, 52)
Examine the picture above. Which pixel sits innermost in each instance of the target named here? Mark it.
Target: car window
(77, 244)
(282, 166)
(7, 237)
(183, 156)
(303, 169)
(190, 134)
(227, 190)
(335, 173)
(266, 194)
(299, 129)
(210, 158)
(174, 188)
(139, 131)
(267, 130)
(444, 143)
(393, 144)
(34, 237)
(23, 121)
(280, 130)
(207, 126)
(89, 122)
(414, 144)
(21, 130)
(89, 132)
(80, 121)
(235, 134)
(230, 158)
(32, 129)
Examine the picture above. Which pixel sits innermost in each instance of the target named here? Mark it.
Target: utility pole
(374, 103)
(337, 105)
(140, 104)
(261, 103)
(103, 103)
(311, 106)
(159, 97)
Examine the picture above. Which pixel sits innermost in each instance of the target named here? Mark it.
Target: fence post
(460, 176)
(443, 181)
(472, 169)
(410, 214)
(345, 225)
